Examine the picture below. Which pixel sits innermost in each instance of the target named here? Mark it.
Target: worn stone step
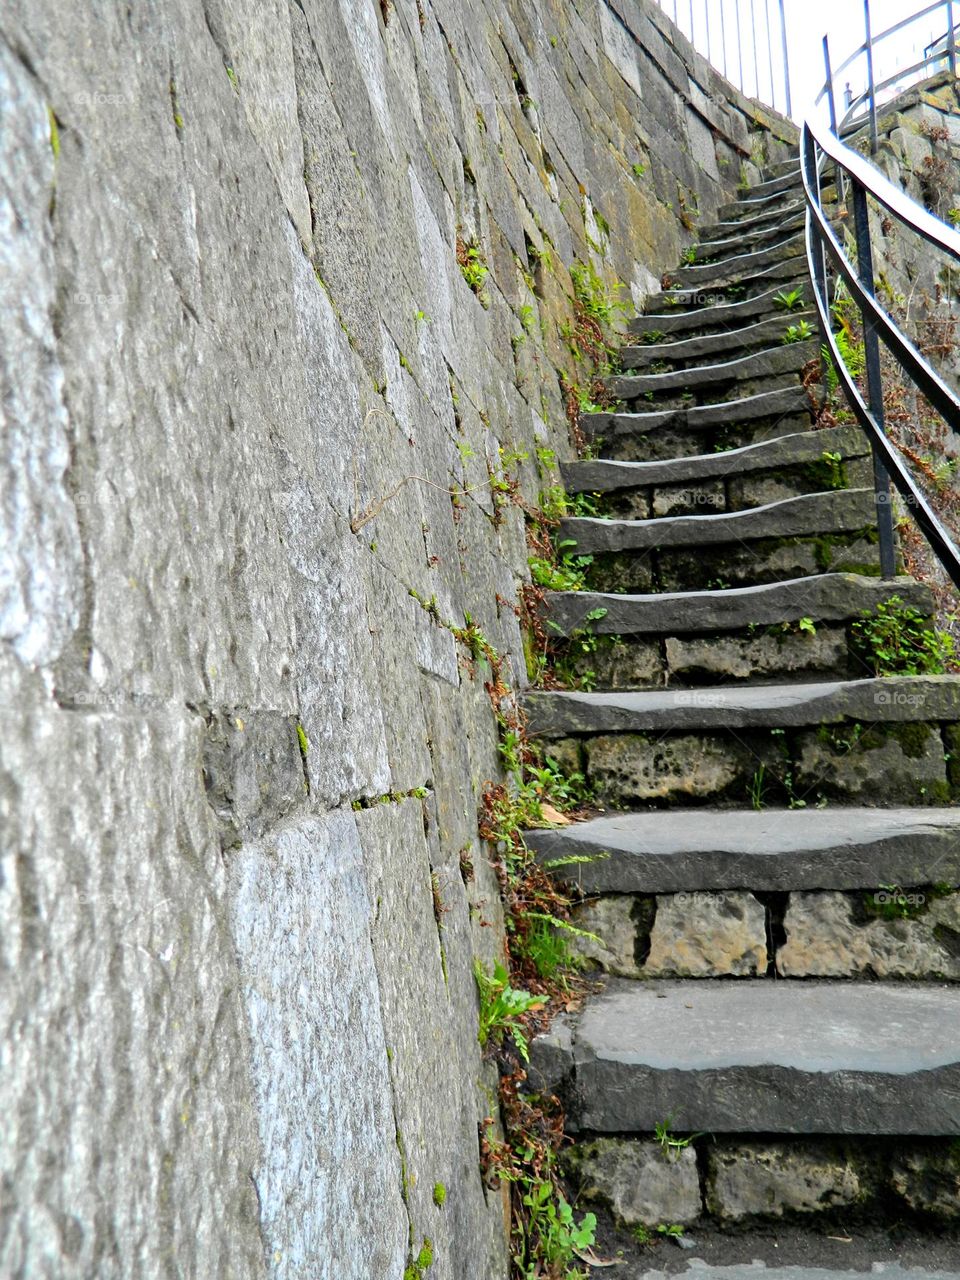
(790, 180)
(774, 850)
(721, 230)
(782, 411)
(761, 334)
(727, 1056)
(604, 475)
(825, 597)
(706, 319)
(764, 202)
(790, 272)
(732, 269)
(859, 1265)
(833, 511)
(728, 245)
(771, 363)
(889, 700)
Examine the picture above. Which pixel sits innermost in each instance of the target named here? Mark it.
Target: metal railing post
(723, 37)
(871, 346)
(786, 57)
(736, 14)
(871, 83)
(773, 87)
(756, 60)
(951, 40)
(706, 14)
(831, 99)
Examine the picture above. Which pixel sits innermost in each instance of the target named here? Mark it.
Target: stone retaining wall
(243, 370)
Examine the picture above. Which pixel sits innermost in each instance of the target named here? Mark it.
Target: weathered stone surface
(735, 267)
(730, 1056)
(629, 768)
(906, 766)
(764, 333)
(928, 1179)
(827, 937)
(698, 498)
(739, 657)
(242, 374)
(764, 364)
(308, 929)
(913, 702)
(839, 511)
(707, 935)
(641, 1184)
(618, 922)
(774, 1180)
(785, 404)
(722, 315)
(828, 597)
(832, 848)
(603, 476)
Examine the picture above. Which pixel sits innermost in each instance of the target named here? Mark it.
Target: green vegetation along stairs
(774, 748)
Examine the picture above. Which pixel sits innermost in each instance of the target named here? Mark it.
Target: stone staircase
(772, 873)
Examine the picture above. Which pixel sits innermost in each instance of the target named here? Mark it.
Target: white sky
(807, 22)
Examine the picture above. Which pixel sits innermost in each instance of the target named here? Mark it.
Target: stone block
(775, 1180)
(766, 653)
(626, 768)
(895, 764)
(928, 1179)
(828, 936)
(641, 1184)
(708, 935)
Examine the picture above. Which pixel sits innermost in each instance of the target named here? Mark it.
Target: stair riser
(906, 932)
(880, 765)
(767, 654)
(712, 567)
(788, 274)
(741, 265)
(727, 494)
(737, 1182)
(714, 317)
(710, 249)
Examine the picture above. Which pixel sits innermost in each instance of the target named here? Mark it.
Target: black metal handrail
(822, 242)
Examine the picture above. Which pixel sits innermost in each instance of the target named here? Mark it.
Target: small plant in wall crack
(473, 267)
(501, 1007)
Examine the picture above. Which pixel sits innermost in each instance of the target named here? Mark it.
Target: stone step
(729, 1056)
(786, 273)
(785, 410)
(764, 202)
(706, 319)
(771, 363)
(724, 245)
(728, 227)
(790, 180)
(774, 850)
(603, 475)
(825, 597)
(763, 333)
(736, 267)
(889, 700)
(833, 511)
(859, 1265)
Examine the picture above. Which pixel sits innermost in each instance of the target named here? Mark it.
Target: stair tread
(728, 1055)
(830, 511)
(771, 328)
(872, 700)
(770, 362)
(734, 267)
(603, 475)
(764, 404)
(672, 851)
(722, 314)
(826, 597)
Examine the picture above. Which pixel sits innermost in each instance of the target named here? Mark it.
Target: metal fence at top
(744, 39)
(930, 32)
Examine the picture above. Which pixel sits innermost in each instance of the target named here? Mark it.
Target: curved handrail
(877, 325)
